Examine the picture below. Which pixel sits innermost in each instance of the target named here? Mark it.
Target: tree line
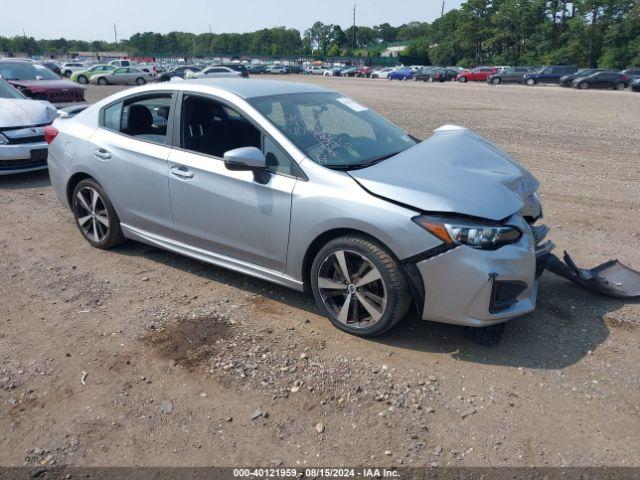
(603, 33)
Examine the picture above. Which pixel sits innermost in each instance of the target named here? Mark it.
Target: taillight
(50, 133)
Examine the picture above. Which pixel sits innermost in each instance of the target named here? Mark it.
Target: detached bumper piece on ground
(612, 278)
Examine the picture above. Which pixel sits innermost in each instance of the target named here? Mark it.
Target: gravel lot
(141, 357)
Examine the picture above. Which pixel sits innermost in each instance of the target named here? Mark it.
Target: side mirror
(245, 158)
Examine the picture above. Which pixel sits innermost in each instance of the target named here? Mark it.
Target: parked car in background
(277, 70)
(631, 72)
(22, 121)
(316, 70)
(332, 72)
(53, 67)
(365, 72)
(612, 80)
(567, 80)
(479, 74)
(435, 74)
(510, 75)
(38, 82)
(404, 73)
(382, 72)
(68, 68)
(217, 71)
(120, 63)
(83, 76)
(369, 219)
(183, 71)
(122, 76)
(238, 67)
(634, 85)
(257, 69)
(349, 72)
(549, 74)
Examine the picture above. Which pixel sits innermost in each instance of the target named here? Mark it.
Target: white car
(277, 69)
(22, 121)
(120, 63)
(68, 68)
(217, 72)
(382, 73)
(316, 71)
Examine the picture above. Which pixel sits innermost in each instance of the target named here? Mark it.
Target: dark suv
(238, 68)
(510, 75)
(549, 74)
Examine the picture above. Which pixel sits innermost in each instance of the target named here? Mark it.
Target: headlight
(486, 236)
(3, 140)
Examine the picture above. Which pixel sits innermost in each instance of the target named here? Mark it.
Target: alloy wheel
(352, 289)
(92, 215)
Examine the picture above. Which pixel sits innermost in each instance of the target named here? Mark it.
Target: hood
(454, 171)
(47, 85)
(22, 112)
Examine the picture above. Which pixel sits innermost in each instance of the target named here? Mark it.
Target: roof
(252, 88)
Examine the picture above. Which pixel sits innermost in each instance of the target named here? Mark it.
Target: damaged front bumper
(478, 288)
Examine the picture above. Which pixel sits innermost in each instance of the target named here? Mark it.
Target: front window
(17, 71)
(7, 91)
(333, 130)
(44, 73)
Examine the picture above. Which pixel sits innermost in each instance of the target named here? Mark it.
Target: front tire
(620, 86)
(496, 81)
(82, 80)
(359, 286)
(95, 216)
(583, 86)
(531, 82)
(463, 80)
(140, 81)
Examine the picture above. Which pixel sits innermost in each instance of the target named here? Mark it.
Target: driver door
(225, 211)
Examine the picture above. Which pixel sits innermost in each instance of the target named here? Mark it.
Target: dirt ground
(141, 357)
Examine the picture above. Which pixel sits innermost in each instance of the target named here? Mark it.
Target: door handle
(182, 172)
(102, 153)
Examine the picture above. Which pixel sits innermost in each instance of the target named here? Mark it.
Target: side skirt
(213, 258)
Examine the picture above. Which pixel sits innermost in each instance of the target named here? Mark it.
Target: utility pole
(353, 41)
(209, 29)
(442, 11)
(115, 33)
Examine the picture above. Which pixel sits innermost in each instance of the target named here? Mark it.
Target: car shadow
(567, 324)
(20, 181)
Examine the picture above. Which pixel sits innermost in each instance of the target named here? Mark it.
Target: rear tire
(140, 81)
(103, 82)
(68, 73)
(531, 82)
(365, 309)
(463, 80)
(583, 86)
(496, 81)
(620, 86)
(95, 216)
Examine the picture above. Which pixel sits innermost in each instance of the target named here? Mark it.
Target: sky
(94, 19)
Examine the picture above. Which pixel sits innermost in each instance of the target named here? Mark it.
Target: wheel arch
(325, 237)
(73, 181)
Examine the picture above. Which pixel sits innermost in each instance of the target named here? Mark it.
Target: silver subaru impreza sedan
(304, 187)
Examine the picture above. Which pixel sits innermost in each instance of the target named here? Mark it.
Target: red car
(40, 83)
(364, 71)
(478, 74)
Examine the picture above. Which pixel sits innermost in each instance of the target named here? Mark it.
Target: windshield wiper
(368, 163)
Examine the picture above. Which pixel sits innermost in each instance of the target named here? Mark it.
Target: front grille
(23, 140)
(26, 163)
(504, 294)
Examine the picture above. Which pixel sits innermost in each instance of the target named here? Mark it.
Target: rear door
(129, 150)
